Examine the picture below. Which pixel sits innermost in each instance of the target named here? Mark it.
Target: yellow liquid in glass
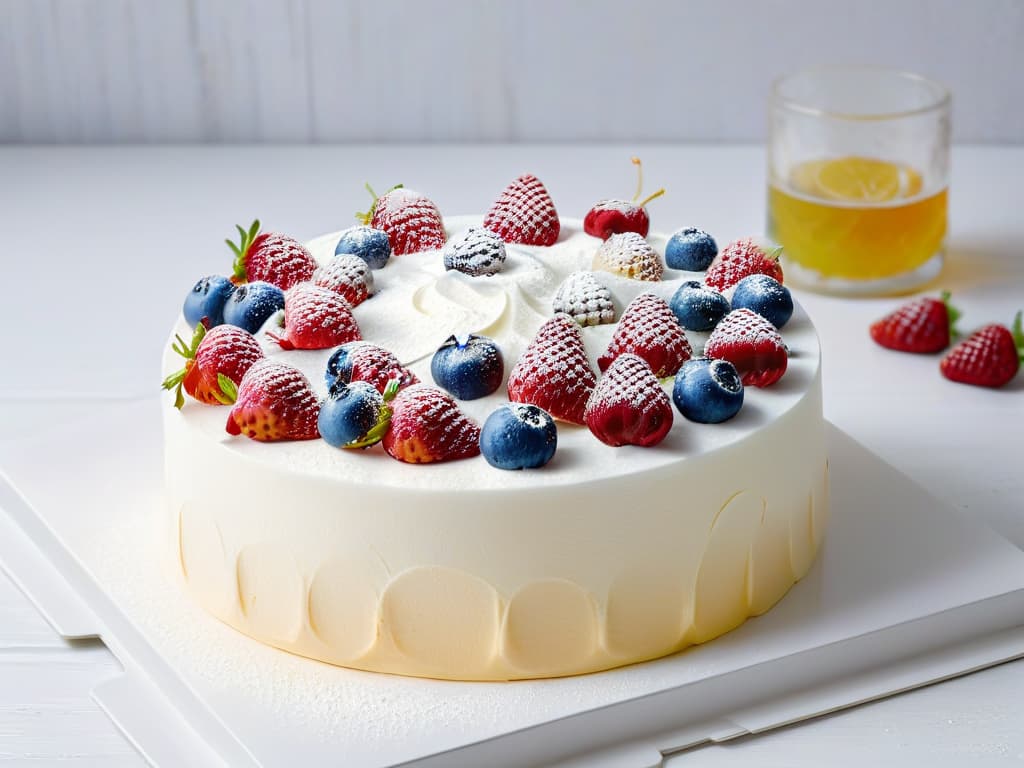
(856, 218)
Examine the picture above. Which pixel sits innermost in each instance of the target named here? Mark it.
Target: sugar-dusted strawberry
(612, 217)
(412, 221)
(347, 275)
(223, 351)
(752, 345)
(649, 329)
(271, 257)
(274, 401)
(629, 255)
(628, 406)
(524, 213)
(738, 260)
(427, 426)
(553, 372)
(585, 299)
(363, 361)
(923, 325)
(989, 357)
(315, 318)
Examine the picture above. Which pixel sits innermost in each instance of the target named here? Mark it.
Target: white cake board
(904, 593)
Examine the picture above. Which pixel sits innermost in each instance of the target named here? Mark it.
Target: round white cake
(604, 557)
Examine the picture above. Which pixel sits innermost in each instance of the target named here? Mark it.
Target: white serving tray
(904, 593)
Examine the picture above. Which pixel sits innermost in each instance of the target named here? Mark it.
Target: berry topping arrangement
(607, 352)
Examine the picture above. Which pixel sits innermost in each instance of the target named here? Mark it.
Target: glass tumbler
(858, 170)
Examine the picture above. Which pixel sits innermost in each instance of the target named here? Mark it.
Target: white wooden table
(70, 216)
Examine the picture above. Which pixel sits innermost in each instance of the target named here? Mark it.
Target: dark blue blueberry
(468, 366)
(766, 296)
(339, 364)
(518, 436)
(369, 244)
(252, 303)
(348, 412)
(207, 299)
(698, 307)
(690, 249)
(708, 391)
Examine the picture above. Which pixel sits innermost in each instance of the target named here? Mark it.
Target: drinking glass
(858, 170)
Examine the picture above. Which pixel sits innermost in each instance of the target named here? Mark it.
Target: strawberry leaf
(228, 390)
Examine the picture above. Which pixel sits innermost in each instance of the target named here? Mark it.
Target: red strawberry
(613, 217)
(274, 402)
(750, 343)
(989, 357)
(553, 372)
(524, 213)
(348, 276)
(315, 318)
(374, 365)
(924, 325)
(271, 257)
(740, 259)
(649, 329)
(629, 407)
(427, 426)
(225, 350)
(412, 221)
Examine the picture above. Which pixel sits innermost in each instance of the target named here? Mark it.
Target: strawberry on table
(923, 325)
(271, 257)
(750, 343)
(427, 426)
(412, 221)
(223, 351)
(553, 372)
(989, 357)
(524, 213)
(628, 406)
(274, 401)
(649, 329)
(740, 259)
(315, 318)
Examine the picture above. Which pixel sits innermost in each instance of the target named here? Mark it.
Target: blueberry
(369, 244)
(518, 436)
(339, 364)
(690, 249)
(348, 412)
(468, 366)
(698, 307)
(766, 296)
(207, 299)
(708, 391)
(252, 303)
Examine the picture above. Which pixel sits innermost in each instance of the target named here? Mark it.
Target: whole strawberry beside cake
(493, 453)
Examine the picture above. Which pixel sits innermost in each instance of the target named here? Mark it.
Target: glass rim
(942, 99)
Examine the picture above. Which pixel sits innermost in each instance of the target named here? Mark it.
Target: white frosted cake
(604, 557)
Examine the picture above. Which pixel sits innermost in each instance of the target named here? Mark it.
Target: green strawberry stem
(376, 433)
(773, 253)
(951, 312)
(187, 351)
(1018, 333)
(245, 239)
(367, 218)
(228, 390)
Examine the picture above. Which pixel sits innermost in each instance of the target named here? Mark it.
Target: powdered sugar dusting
(585, 299)
(524, 213)
(348, 276)
(412, 221)
(630, 255)
(649, 329)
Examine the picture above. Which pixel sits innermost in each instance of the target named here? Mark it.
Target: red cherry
(612, 217)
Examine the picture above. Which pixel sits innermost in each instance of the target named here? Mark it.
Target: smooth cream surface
(605, 557)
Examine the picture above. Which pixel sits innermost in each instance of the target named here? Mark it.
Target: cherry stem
(648, 199)
(639, 178)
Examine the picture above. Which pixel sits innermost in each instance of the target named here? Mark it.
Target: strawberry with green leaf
(223, 354)
(271, 257)
(411, 220)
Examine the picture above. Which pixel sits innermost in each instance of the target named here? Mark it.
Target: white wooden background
(484, 70)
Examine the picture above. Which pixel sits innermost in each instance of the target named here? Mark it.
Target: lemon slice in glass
(856, 179)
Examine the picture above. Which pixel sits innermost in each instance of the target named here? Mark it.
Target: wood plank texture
(447, 70)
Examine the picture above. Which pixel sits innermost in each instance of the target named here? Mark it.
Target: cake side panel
(492, 585)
